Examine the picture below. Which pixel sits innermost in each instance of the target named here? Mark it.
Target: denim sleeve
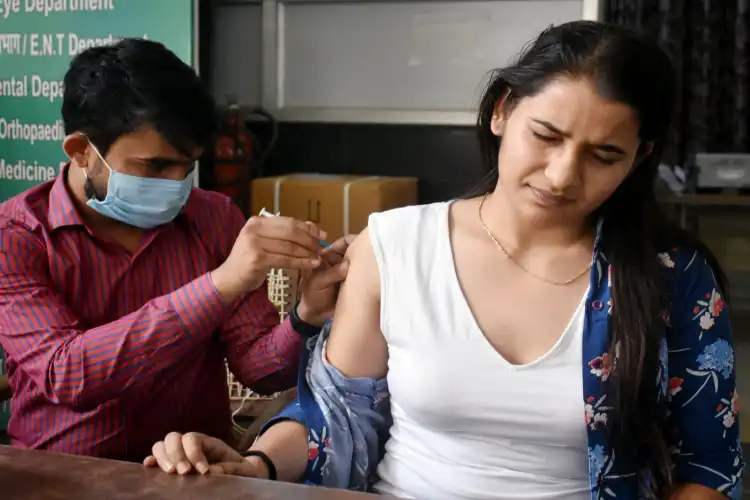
(347, 421)
(703, 400)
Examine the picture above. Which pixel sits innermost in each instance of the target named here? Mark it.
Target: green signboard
(37, 40)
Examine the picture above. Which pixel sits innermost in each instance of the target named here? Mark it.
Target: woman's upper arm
(356, 346)
(704, 425)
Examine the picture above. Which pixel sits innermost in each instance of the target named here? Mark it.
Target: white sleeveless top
(466, 423)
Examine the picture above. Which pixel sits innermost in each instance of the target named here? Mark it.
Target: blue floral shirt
(348, 419)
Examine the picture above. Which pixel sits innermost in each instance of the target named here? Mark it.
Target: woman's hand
(183, 454)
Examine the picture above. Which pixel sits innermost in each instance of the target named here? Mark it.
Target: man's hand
(195, 452)
(319, 288)
(265, 243)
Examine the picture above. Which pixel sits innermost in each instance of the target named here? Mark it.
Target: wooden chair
(5, 392)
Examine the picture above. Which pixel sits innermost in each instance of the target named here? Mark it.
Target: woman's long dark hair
(632, 70)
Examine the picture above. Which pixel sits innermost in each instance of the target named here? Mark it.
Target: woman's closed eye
(604, 161)
(552, 139)
(545, 138)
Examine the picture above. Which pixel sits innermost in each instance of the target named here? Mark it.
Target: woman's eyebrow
(609, 148)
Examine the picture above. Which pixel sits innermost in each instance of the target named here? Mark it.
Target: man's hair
(114, 90)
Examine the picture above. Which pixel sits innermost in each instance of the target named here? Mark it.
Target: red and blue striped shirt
(107, 351)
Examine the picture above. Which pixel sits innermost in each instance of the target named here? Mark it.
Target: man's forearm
(278, 355)
(285, 443)
(261, 353)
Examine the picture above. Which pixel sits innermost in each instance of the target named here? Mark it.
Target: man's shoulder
(199, 196)
(29, 209)
(200, 199)
(216, 218)
(212, 209)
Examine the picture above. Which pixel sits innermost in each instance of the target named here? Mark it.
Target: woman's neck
(521, 232)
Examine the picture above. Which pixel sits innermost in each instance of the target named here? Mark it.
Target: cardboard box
(338, 204)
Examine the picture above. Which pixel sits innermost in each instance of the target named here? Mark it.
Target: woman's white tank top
(466, 423)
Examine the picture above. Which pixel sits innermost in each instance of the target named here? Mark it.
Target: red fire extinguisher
(238, 157)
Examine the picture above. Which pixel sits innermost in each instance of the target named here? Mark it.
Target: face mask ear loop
(101, 157)
(94, 195)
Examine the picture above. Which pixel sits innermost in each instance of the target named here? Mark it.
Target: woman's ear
(641, 155)
(500, 115)
(648, 148)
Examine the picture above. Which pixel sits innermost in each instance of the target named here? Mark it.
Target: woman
(519, 367)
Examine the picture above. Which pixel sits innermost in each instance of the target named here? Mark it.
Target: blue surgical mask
(141, 201)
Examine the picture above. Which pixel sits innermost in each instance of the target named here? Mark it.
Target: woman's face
(565, 150)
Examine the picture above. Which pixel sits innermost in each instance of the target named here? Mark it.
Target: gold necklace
(489, 233)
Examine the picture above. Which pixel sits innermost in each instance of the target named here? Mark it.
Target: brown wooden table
(41, 475)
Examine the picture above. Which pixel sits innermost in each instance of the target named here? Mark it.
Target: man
(123, 289)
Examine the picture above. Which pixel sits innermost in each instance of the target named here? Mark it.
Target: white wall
(391, 61)
(236, 54)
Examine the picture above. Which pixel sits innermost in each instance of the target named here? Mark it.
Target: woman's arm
(356, 346)
(704, 409)
(356, 349)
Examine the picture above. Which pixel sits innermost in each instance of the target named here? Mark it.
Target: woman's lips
(548, 199)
